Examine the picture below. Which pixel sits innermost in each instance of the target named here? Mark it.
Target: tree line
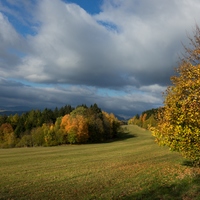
(66, 125)
(146, 120)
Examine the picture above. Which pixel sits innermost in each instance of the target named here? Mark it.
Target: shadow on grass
(188, 189)
(123, 134)
(188, 163)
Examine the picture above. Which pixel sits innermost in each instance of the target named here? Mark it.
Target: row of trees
(80, 125)
(23, 124)
(146, 120)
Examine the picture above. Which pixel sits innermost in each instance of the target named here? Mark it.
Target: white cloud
(151, 34)
(72, 47)
(153, 88)
(10, 48)
(76, 49)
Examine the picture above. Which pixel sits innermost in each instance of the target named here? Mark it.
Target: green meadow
(133, 167)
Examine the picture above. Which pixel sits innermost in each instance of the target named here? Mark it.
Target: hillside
(133, 167)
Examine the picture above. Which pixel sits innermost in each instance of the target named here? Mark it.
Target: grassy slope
(133, 168)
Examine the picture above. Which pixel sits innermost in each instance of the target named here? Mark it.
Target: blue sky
(91, 6)
(118, 54)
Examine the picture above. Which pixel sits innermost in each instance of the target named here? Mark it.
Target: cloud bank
(121, 58)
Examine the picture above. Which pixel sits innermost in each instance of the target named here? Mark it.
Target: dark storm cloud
(15, 94)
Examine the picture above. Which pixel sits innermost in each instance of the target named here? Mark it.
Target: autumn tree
(131, 120)
(75, 128)
(37, 135)
(150, 122)
(61, 126)
(192, 52)
(179, 121)
(136, 120)
(89, 125)
(111, 124)
(7, 136)
(95, 124)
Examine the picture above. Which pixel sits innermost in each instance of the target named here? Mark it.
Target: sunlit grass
(132, 168)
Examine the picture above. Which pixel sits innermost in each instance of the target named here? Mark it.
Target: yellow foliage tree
(112, 124)
(179, 121)
(76, 128)
(144, 116)
(132, 120)
(89, 125)
(7, 136)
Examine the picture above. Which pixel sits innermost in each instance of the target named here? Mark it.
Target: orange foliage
(144, 117)
(5, 129)
(76, 125)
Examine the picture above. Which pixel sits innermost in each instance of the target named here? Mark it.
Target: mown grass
(131, 168)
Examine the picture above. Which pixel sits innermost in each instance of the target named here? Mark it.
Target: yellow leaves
(94, 125)
(7, 136)
(76, 125)
(82, 129)
(6, 128)
(179, 121)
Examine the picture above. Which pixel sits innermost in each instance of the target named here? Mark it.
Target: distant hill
(121, 118)
(9, 112)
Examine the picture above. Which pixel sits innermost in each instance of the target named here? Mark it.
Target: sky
(119, 54)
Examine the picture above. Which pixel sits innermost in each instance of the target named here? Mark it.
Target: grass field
(131, 168)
